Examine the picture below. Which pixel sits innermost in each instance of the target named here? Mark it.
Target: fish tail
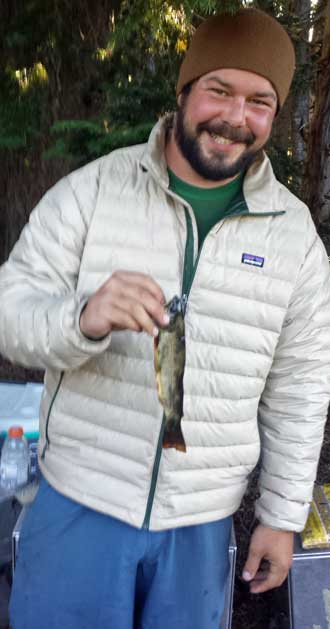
(173, 437)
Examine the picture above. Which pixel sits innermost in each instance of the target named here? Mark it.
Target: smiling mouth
(219, 139)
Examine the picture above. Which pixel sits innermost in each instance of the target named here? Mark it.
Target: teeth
(220, 140)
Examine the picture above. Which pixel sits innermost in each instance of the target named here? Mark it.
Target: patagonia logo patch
(249, 258)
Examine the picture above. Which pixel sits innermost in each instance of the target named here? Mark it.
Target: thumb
(252, 564)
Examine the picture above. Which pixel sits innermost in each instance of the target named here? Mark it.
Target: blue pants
(80, 569)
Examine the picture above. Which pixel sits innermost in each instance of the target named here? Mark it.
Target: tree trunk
(319, 142)
(301, 91)
(281, 133)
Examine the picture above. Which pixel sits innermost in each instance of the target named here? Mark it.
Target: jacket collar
(260, 187)
(153, 158)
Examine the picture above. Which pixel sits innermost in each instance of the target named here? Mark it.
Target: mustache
(228, 132)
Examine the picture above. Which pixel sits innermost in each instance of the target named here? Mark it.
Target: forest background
(79, 78)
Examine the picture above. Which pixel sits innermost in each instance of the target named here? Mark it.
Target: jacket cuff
(90, 338)
(69, 338)
(280, 513)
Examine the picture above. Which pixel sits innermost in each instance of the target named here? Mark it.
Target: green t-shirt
(210, 205)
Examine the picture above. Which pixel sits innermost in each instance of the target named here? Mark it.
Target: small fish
(169, 358)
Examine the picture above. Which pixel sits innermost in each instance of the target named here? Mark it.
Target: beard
(214, 167)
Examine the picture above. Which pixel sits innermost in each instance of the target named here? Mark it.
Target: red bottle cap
(16, 432)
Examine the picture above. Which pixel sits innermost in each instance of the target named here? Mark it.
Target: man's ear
(179, 99)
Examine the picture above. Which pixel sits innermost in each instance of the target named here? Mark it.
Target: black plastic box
(309, 588)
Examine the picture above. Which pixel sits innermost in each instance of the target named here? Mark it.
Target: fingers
(273, 548)
(122, 320)
(142, 281)
(252, 563)
(127, 300)
(142, 317)
(142, 298)
(267, 579)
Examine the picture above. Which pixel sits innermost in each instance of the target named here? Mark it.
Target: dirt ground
(265, 611)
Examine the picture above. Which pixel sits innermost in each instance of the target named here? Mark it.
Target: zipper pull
(184, 302)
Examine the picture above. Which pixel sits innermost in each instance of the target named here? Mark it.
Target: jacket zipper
(186, 287)
(146, 521)
(188, 260)
(46, 446)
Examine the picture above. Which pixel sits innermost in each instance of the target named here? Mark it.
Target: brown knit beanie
(249, 40)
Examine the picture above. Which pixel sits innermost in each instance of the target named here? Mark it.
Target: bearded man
(124, 532)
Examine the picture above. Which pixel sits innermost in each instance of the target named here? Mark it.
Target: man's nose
(235, 112)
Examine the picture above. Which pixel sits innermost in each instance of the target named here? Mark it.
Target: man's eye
(219, 92)
(257, 101)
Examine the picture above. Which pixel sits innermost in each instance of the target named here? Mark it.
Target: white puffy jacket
(257, 345)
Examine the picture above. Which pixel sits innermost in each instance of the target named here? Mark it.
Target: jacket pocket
(46, 446)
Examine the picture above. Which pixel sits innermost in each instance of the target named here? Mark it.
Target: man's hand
(274, 547)
(126, 301)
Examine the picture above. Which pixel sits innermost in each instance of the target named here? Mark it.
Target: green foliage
(22, 97)
(207, 7)
(83, 78)
(145, 50)
(128, 68)
(130, 102)
(131, 110)
(81, 141)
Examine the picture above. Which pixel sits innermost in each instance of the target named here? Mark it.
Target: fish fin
(159, 388)
(156, 356)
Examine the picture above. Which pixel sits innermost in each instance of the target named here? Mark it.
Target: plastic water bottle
(14, 465)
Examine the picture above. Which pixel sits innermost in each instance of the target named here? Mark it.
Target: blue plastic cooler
(19, 405)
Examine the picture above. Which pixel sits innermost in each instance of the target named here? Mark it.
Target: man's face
(223, 121)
